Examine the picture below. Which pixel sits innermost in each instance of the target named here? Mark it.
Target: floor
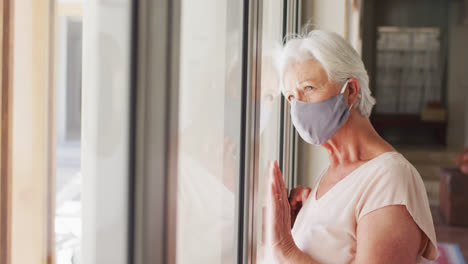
(450, 234)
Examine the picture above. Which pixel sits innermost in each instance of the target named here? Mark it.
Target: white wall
(465, 84)
(457, 80)
(466, 115)
(327, 15)
(61, 85)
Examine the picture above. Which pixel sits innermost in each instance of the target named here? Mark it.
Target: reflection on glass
(92, 117)
(209, 130)
(270, 110)
(68, 122)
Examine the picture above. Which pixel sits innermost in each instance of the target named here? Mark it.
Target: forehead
(306, 70)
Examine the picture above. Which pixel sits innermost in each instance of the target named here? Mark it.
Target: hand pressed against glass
(279, 236)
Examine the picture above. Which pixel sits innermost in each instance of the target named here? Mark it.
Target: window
(209, 130)
(409, 71)
(270, 147)
(66, 156)
(224, 144)
(142, 133)
(68, 175)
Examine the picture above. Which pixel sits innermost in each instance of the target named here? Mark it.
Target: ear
(352, 91)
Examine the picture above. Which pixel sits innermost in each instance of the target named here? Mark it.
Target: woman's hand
(297, 198)
(462, 161)
(279, 237)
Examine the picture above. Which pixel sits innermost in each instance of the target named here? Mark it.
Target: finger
(292, 197)
(462, 157)
(279, 177)
(276, 177)
(465, 156)
(292, 193)
(279, 174)
(464, 169)
(271, 171)
(284, 210)
(305, 194)
(297, 199)
(271, 189)
(296, 193)
(274, 202)
(280, 206)
(275, 184)
(281, 197)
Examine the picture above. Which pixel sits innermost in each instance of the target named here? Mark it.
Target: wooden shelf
(383, 121)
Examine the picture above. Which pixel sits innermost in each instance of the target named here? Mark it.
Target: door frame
(156, 133)
(6, 61)
(28, 133)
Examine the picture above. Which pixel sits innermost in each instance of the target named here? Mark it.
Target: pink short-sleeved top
(325, 229)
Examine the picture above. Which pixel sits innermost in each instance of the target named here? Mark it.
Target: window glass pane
(92, 100)
(270, 115)
(209, 130)
(68, 149)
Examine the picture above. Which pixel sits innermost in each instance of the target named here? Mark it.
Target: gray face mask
(317, 122)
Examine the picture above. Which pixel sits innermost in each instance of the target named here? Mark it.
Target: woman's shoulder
(390, 180)
(391, 171)
(393, 163)
(393, 180)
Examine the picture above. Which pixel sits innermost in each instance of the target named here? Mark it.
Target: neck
(356, 141)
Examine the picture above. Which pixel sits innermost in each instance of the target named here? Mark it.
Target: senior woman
(370, 204)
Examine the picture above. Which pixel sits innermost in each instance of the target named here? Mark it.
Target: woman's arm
(388, 235)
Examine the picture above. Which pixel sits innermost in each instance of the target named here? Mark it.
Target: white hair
(339, 59)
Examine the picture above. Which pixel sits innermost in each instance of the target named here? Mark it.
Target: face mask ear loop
(344, 87)
(342, 91)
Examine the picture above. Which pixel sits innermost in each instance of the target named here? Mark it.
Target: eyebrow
(284, 91)
(307, 80)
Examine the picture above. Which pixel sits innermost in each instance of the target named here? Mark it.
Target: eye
(308, 88)
(290, 97)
